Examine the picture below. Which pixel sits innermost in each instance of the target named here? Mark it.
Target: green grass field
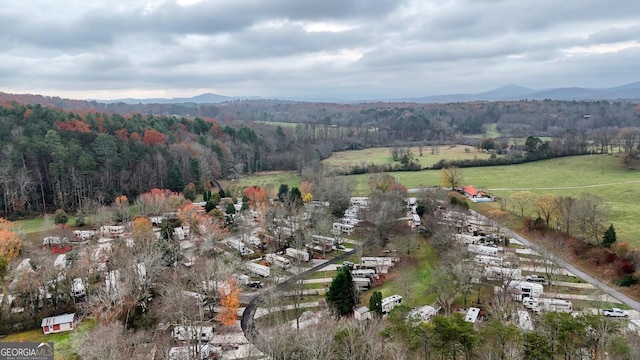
(414, 274)
(63, 347)
(268, 180)
(430, 156)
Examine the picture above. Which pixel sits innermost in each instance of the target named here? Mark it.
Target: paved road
(246, 322)
(605, 288)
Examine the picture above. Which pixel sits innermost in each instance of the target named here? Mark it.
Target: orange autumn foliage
(142, 228)
(152, 137)
(10, 243)
(306, 187)
(256, 195)
(230, 302)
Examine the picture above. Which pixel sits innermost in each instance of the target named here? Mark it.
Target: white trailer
(343, 228)
(300, 255)
(466, 239)
(333, 240)
(258, 269)
(416, 220)
(362, 283)
(78, 289)
(239, 246)
(483, 250)
(368, 273)
(488, 260)
(523, 289)
(61, 261)
(193, 333)
(544, 304)
(278, 260)
(502, 273)
(389, 303)
(206, 351)
(374, 262)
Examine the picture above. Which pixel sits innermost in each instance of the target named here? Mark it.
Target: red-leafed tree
(135, 137)
(152, 137)
(256, 195)
(122, 134)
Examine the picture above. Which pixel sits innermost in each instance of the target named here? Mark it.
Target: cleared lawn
(430, 156)
(268, 180)
(413, 274)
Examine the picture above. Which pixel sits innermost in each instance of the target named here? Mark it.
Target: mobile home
(483, 250)
(389, 303)
(502, 273)
(278, 260)
(544, 304)
(362, 283)
(258, 269)
(300, 255)
(522, 289)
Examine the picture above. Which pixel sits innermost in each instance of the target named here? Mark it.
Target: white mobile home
(300, 255)
(373, 262)
(545, 304)
(368, 273)
(522, 289)
(343, 228)
(488, 260)
(78, 288)
(278, 260)
(389, 303)
(416, 220)
(362, 283)
(472, 315)
(239, 246)
(421, 314)
(502, 273)
(258, 269)
(483, 250)
(61, 261)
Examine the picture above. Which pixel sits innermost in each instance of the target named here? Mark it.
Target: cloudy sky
(323, 50)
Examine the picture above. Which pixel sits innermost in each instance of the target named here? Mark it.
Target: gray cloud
(325, 49)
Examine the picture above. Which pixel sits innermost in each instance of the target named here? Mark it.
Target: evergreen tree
(342, 295)
(230, 209)
(283, 192)
(609, 237)
(166, 230)
(375, 303)
(295, 196)
(60, 217)
(175, 182)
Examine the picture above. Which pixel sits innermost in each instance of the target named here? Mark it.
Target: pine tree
(175, 181)
(375, 303)
(342, 293)
(609, 237)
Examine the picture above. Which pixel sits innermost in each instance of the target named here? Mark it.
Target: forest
(81, 157)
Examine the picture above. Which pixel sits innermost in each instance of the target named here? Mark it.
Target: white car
(615, 312)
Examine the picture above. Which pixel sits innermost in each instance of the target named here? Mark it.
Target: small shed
(60, 323)
(362, 313)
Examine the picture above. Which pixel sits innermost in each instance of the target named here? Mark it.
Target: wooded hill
(52, 158)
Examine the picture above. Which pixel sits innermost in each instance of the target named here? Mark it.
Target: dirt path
(566, 187)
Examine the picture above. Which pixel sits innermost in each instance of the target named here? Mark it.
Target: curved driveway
(247, 323)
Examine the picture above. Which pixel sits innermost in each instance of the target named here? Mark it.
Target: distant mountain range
(505, 93)
(515, 92)
(629, 91)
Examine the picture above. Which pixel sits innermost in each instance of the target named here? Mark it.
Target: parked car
(255, 284)
(615, 312)
(535, 278)
(348, 264)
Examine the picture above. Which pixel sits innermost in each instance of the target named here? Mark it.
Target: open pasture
(382, 155)
(602, 175)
